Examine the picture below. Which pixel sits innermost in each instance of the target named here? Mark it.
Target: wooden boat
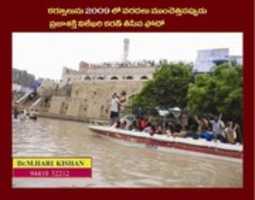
(168, 142)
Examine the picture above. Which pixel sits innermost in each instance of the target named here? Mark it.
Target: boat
(164, 142)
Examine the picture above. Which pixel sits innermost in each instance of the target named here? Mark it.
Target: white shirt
(115, 105)
(218, 127)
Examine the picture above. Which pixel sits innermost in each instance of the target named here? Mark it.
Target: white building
(208, 58)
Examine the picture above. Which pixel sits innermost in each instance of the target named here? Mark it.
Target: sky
(45, 54)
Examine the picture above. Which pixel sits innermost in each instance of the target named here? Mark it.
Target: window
(144, 78)
(100, 78)
(114, 78)
(87, 78)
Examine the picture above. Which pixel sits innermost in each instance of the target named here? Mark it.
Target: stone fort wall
(91, 100)
(108, 73)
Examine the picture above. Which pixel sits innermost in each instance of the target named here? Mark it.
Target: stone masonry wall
(91, 100)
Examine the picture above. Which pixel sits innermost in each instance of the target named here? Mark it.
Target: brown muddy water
(117, 164)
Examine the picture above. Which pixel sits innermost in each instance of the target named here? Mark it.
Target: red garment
(143, 124)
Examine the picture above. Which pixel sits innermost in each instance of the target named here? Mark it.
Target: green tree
(168, 87)
(220, 91)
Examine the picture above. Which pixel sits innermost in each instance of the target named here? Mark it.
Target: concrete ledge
(73, 118)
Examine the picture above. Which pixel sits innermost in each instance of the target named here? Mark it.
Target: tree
(220, 91)
(168, 88)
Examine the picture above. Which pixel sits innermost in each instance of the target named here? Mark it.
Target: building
(143, 70)
(238, 60)
(208, 58)
(22, 77)
(125, 70)
(110, 71)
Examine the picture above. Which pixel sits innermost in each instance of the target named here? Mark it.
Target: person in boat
(114, 112)
(133, 126)
(169, 129)
(168, 132)
(149, 129)
(207, 134)
(184, 119)
(123, 125)
(206, 130)
(195, 128)
(178, 131)
(159, 129)
(199, 125)
(230, 132)
(143, 123)
(218, 127)
(238, 134)
(117, 124)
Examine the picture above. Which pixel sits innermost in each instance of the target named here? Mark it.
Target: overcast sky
(45, 54)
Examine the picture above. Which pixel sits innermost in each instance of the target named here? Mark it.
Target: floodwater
(117, 164)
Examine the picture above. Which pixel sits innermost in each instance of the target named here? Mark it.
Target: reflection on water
(116, 164)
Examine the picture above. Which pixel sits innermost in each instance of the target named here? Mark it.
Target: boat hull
(152, 142)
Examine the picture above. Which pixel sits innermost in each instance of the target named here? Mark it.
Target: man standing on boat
(115, 105)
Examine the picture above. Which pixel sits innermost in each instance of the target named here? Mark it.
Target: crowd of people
(214, 129)
(210, 128)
